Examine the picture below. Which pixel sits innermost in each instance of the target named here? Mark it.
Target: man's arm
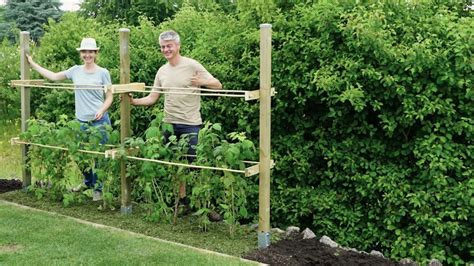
(200, 80)
(145, 101)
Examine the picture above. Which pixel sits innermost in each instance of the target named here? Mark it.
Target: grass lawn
(186, 231)
(10, 156)
(28, 236)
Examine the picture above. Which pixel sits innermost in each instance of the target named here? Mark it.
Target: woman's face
(88, 56)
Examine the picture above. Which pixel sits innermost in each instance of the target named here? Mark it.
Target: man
(180, 110)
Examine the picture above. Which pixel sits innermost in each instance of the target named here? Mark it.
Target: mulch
(312, 252)
(9, 185)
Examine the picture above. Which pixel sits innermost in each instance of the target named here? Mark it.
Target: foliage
(130, 11)
(375, 106)
(156, 185)
(372, 123)
(28, 16)
(59, 170)
(9, 97)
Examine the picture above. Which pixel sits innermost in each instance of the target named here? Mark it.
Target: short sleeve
(70, 72)
(156, 82)
(202, 70)
(106, 79)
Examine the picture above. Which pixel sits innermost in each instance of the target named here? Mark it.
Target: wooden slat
(19, 83)
(253, 95)
(129, 87)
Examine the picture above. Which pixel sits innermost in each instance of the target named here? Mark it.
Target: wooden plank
(114, 153)
(125, 132)
(265, 136)
(19, 83)
(252, 170)
(14, 141)
(25, 104)
(253, 95)
(126, 88)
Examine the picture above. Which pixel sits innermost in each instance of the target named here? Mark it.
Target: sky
(67, 5)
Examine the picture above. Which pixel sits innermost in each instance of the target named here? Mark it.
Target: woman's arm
(45, 72)
(105, 106)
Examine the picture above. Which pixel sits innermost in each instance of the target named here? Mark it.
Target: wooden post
(25, 104)
(125, 132)
(265, 130)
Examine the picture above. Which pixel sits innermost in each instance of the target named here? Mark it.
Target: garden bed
(7, 185)
(312, 252)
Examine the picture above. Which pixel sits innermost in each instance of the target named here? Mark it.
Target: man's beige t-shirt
(179, 108)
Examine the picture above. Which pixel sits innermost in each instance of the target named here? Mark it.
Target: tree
(28, 16)
(129, 11)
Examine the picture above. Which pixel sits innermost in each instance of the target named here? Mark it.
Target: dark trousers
(191, 131)
(90, 177)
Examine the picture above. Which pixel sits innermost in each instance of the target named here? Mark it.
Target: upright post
(126, 207)
(265, 130)
(25, 104)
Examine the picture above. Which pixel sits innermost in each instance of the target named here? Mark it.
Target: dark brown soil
(9, 185)
(312, 252)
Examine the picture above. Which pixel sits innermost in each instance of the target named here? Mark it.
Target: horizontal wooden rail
(249, 171)
(17, 141)
(195, 89)
(140, 87)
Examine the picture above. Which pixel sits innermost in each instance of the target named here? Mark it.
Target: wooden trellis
(262, 167)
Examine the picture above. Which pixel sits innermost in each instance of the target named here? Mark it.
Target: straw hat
(88, 44)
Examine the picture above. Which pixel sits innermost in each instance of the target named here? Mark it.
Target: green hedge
(372, 125)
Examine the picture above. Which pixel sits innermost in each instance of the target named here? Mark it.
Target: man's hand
(197, 80)
(130, 97)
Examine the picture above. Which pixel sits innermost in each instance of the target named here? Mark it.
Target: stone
(277, 231)
(435, 262)
(351, 249)
(292, 231)
(253, 227)
(377, 253)
(308, 234)
(328, 241)
(408, 262)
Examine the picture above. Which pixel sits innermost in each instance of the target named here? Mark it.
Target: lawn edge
(97, 225)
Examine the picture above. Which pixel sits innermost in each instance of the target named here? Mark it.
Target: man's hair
(170, 35)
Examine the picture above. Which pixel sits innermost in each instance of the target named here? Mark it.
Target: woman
(91, 107)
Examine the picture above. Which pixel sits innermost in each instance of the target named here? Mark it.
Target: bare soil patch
(9, 248)
(7, 185)
(312, 252)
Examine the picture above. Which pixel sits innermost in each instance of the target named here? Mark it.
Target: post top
(25, 32)
(124, 30)
(265, 25)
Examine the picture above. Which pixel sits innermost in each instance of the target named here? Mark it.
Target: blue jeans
(90, 177)
(192, 131)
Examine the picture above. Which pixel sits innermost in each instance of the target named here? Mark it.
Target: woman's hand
(30, 60)
(99, 115)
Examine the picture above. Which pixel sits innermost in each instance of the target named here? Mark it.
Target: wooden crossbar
(249, 171)
(22, 83)
(253, 95)
(129, 87)
(17, 141)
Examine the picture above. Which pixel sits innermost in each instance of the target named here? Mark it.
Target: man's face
(169, 49)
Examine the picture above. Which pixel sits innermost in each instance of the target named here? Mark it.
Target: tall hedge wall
(372, 125)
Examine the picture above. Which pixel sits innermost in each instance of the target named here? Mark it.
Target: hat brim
(88, 49)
